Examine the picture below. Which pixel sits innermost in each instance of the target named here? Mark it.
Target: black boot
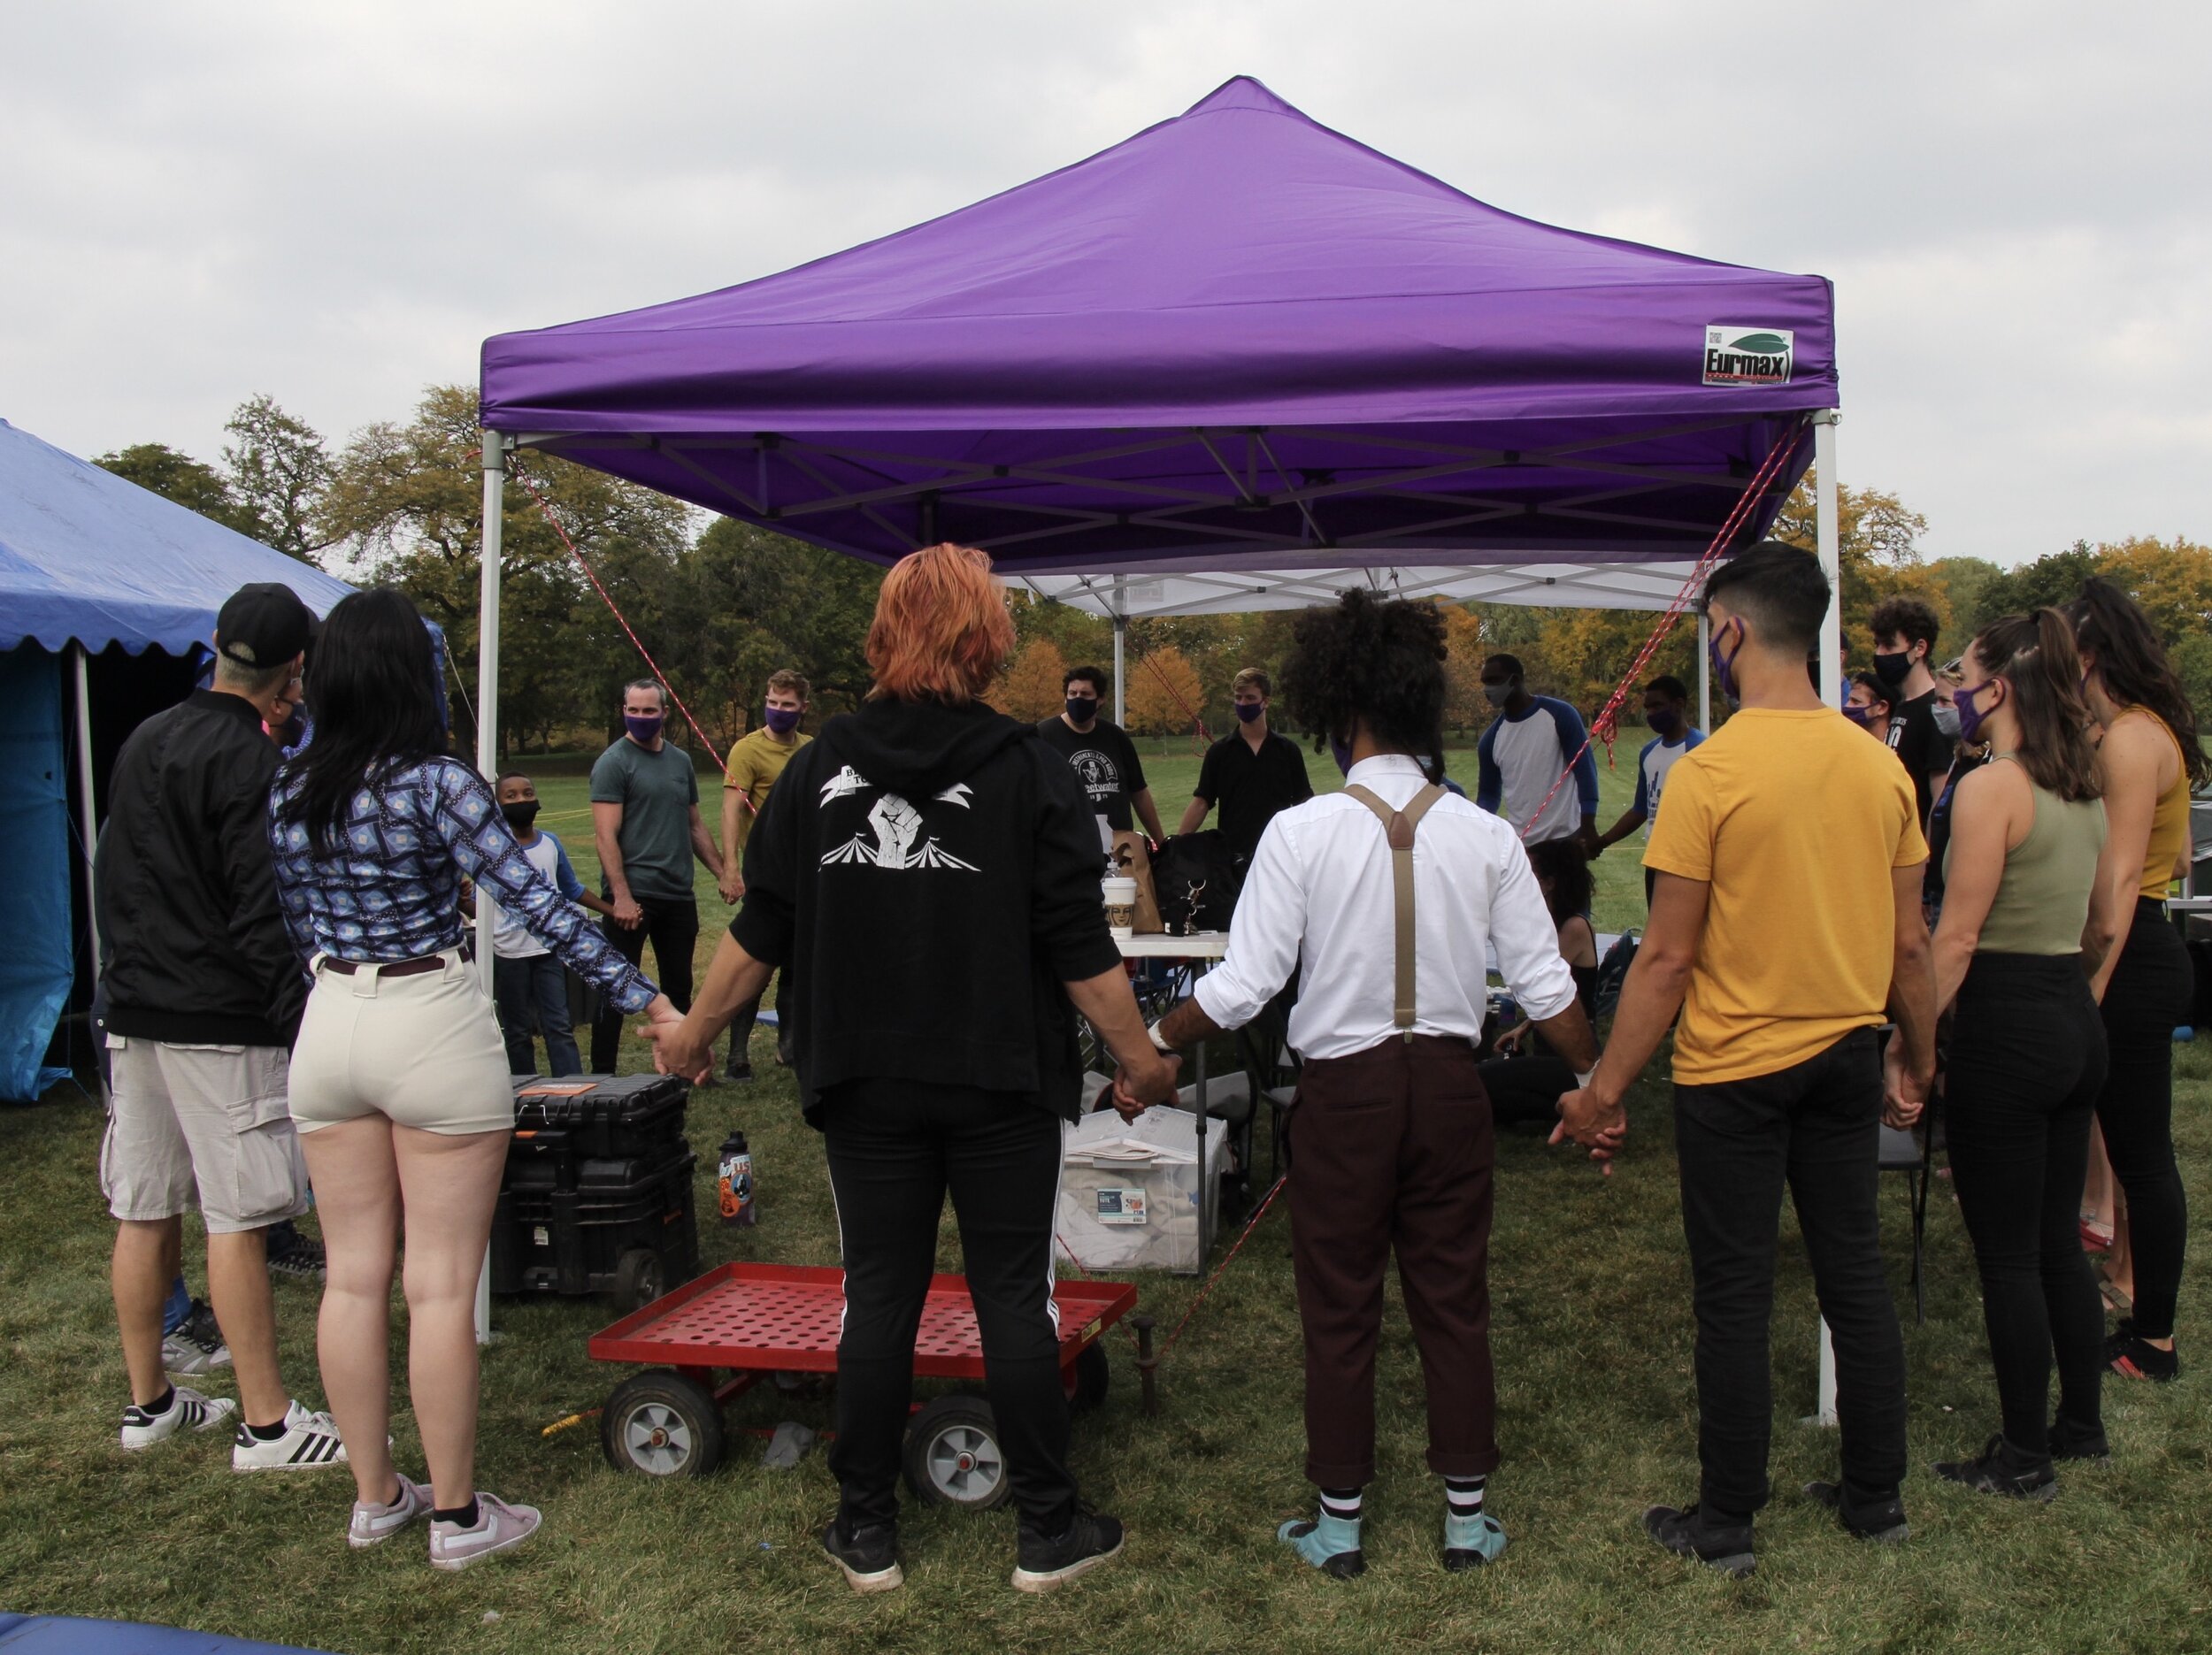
(2004, 1469)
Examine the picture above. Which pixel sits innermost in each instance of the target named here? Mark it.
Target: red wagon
(758, 1320)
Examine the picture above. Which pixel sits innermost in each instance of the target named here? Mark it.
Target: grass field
(1593, 1344)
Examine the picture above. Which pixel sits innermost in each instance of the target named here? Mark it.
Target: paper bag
(1132, 861)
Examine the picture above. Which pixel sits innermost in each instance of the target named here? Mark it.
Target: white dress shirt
(1320, 891)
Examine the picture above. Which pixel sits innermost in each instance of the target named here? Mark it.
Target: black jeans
(2149, 995)
(895, 1148)
(672, 927)
(1814, 1126)
(2027, 1059)
(741, 1025)
(535, 987)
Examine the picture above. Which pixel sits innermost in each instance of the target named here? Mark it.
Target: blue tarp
(61, 1634)
(85, 555)
(35, 966)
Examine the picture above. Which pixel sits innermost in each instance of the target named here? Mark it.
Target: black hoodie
(928, 876)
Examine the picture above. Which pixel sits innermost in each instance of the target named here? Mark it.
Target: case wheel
(953, 1458)
(662, 1425)
(638, 1279)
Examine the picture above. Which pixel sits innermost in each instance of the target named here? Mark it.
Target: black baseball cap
(264, 625)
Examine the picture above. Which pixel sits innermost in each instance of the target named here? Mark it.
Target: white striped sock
(1342, 1504)
(1462, 1495)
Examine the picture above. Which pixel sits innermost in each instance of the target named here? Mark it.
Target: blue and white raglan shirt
(1652, 765)
(510, 937)
(1522, 757)
(392, 889)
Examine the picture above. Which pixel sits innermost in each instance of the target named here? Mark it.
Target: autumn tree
(1031, 689)
(1878, 554)
(1164, 692)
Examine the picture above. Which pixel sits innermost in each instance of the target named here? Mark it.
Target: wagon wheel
(1088, 1379)
(952, 1456)
(662, 1424)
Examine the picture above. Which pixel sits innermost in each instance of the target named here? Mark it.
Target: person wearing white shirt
(1390, 1140)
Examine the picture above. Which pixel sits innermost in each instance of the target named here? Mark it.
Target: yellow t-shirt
(755, 762)
(1795, 820)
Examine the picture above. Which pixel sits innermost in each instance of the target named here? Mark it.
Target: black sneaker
(869, 1556)
(1883, 1523)
(197, 1346)
(298, 1256)
(1691, 1534)
(2133, 1357)
(2086, 1444)
(1050, 1560)
(738, 1072)
(2003, 1469)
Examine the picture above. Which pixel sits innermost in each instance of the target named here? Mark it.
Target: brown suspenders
(1398, 827)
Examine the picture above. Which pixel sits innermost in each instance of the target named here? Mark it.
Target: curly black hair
(1562, 862)
(1381, 660)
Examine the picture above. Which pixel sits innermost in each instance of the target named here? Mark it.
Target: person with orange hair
(926, 876)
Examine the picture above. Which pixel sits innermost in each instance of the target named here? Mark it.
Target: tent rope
(1201, 737)
(1604, 727)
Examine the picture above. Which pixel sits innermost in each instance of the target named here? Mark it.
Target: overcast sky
(336, 202)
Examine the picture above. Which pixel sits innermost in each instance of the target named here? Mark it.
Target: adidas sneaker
(310, 1442)
(188, 1410)
(373, 1525)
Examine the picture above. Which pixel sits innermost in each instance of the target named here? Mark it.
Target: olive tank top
(2042, 901)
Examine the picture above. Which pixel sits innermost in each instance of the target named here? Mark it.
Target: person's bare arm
(1195, 813)
(594, 904)
(2131, 751)
(703, 845)
(733, 978)
(731, 883)
(1145, 1076)
(1631, 819)
(606, 835)
(1650, 998)
(1981, 825)
(1148, 814)
(1909, 1064)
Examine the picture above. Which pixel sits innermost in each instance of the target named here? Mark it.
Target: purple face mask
(783, 720)
(1970, 715)
(643, 727)
(1247, 711)
(1341, 751)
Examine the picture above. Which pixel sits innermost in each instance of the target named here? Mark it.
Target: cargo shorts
(210, 1120)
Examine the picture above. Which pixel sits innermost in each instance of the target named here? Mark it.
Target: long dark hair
(372, 686)
(1373, 658)
(1562, 862)
(2131, 661)
(2035, 656)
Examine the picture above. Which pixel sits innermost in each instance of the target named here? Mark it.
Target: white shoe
(499, 1528)
(310, 1442)
(188, 1410)
(373, 1525)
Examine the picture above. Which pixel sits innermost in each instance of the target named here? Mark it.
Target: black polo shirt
(1248, 788)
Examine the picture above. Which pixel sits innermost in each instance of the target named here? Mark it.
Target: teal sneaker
(1471, 1541)
(1330, 1543)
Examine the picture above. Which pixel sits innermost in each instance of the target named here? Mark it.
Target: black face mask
(519, 816)
(1892, 670)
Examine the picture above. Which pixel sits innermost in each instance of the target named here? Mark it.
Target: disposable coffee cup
(1121, 905)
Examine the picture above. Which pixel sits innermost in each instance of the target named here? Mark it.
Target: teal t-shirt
(656, 791)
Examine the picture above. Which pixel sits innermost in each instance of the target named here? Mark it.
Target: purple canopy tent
(1238, 343)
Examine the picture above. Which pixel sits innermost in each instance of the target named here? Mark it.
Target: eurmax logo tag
(1736, 354)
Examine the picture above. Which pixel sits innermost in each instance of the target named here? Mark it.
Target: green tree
(174, 475)
(1879, 551)
(280, 472)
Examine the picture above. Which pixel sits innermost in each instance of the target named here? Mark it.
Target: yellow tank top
(2170, 822)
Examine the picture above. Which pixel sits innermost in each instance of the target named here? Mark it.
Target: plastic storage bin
(598, 1195)
(1129, 1190)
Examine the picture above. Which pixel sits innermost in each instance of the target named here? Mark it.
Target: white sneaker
(310, 1442)
(373, 1525)
(188, 1410)
(499, 1528)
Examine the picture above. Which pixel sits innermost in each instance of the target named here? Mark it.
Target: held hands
(677, 1047)
(1599, 1125)
(628, 913)
(732, 886)
(1138, 1089)
(1903, 1094)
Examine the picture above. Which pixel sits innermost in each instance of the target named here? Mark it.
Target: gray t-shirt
(656, 792)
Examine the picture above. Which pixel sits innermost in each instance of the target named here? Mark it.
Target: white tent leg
(1824, 1407)
(1121, 632)
(1704, 673)
(1828, 534)
(86, 828)
(495, 464)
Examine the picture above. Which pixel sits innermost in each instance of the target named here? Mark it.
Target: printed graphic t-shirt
(1104, 761)
(1652, 765)
(1795, 821)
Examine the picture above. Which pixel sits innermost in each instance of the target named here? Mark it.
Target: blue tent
(96, 574)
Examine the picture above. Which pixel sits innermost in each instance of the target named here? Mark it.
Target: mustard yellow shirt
(2169, 820)
(755, 762)
(1795, 820)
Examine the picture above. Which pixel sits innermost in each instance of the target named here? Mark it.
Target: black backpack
(1612, 972)
(1195, 881)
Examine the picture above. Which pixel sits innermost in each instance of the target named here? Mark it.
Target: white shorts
(422, 1051)
(209, 1120)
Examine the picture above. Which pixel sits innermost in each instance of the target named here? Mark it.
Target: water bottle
(733, 1183)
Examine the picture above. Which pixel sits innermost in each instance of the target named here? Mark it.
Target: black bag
(1612, 972)
(1194, 879)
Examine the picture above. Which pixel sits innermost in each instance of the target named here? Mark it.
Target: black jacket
(186, 892)
(929, 877)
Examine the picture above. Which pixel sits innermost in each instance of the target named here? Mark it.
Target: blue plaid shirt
(395, 891)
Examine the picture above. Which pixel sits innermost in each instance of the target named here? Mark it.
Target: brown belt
(386, 968)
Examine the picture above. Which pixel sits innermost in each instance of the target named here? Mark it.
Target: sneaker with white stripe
(310, 1442)
(188, 1410)
(499, 1528)
(373, 1525)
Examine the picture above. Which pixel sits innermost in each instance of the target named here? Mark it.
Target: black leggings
(2146, 1000)
(2027, 1059)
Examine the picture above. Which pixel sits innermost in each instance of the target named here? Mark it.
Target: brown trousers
(1392, 1147)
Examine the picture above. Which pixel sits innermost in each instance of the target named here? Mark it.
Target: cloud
(336, 204)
